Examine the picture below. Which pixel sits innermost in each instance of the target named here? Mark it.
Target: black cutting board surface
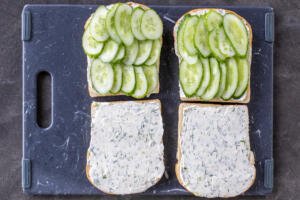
(54, 158)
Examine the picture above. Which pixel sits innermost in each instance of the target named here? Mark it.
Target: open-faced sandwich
(214, 155)
(126, 152)
(214, 48)
(123, 42)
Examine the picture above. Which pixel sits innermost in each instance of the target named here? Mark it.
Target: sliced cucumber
(151, 73)
(231, 78)
(151, 25)
(237, 33)
(117, 79)
(214, 46)
(206, 77)
(90, 46)
(102, 76)
(243, 77)
(131, 53)
(224, 44)
(145, 47)
(122, 23)
(141, 86)
(213, 20)
(223, 80)
(136, 20)
(201, 38)
(110, 23)
(190, 77)
(120, 55)
(213, 86)
(88, 21)
(189, 33)
(191, 59)
(155, 52)
(110, 51)
(97, 26)
(128, 79)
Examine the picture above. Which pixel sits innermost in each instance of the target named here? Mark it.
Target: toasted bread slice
(214, 156)
(126, 149)
(92, 91)
(201, 11)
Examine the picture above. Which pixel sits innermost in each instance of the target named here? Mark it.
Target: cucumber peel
(213, 86)
(231, 79)
(141, 86)
(243, 77)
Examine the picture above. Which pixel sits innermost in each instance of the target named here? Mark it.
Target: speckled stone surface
(286, 94)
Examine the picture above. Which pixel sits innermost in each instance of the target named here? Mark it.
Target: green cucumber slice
(213, 86)
(190, 59)
(97, 26)
(136, 20)
(189, 33)
(190, 77)
(102, 76)
(237, 33)
(88, 21)
(141, 86)
(110, 23)
(214, 46)
(231, 78)
(131, 53)
(109, 51)
(151, 73)
(213, 20)
(206, 77)
(128, 79)
(155, 52)
(117, 79)
(224, 44)
(151, 25)
(120, 55)
(122, 23)
(243, 77)
(144, 52)
(201, 38)
(223, 80)
(90, 46)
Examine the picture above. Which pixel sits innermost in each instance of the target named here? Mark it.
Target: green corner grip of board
(26, 25)
(269, 173)
(269, 27)
(26, 174)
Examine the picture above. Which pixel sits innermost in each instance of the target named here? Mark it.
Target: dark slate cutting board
(54, 158)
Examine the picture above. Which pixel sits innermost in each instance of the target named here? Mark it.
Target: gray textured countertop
(286, 95)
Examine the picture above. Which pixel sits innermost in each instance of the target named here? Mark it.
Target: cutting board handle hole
(44, 99)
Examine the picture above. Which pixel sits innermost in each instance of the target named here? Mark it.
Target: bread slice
(126, 149)
(92, 91)
(201, 11)
(214, 156)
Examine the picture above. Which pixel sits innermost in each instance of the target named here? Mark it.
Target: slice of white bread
(126, 152)
(214, 155)
(92, 91)
(202, 11)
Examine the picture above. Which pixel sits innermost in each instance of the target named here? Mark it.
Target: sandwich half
(214, 48)
(126, 152)
(123, 56)
(214, 155)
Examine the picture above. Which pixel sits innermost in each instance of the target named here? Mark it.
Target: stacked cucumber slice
(123, 42)
(214, 55)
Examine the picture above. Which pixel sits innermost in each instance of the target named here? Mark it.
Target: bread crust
(179, 155)
(88, 167)
(246, 97)
(92, 92)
